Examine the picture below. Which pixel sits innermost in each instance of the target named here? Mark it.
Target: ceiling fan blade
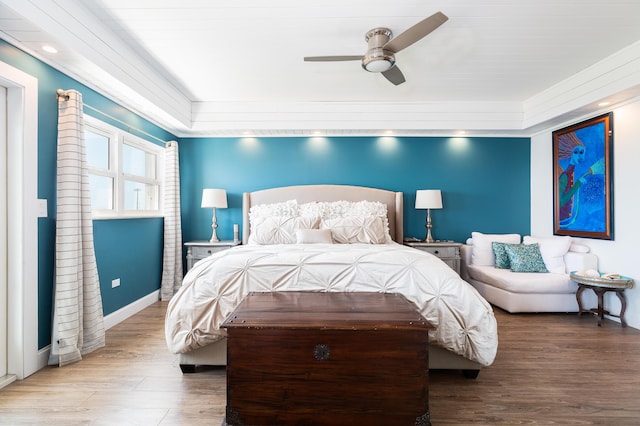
(394, 75)
(415, 33)
(332, 58)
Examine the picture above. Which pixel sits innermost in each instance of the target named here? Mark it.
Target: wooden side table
(601, 285)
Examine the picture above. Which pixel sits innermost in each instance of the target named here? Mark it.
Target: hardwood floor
(550, 369)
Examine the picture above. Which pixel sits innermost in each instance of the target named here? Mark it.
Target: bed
(367, 223)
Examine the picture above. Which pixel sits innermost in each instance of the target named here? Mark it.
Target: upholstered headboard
(309, 193)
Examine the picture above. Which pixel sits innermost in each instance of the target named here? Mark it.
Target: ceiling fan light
(378, 64)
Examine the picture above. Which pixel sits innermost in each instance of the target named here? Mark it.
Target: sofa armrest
(465, 260)
(580, 261)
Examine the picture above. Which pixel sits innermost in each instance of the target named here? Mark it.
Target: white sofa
(528, 291)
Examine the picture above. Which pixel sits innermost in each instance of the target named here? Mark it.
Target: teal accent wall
(127, 249)
(484, 181)
(485, 184)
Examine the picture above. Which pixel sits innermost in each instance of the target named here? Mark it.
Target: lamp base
(214, 226)
(429, 238)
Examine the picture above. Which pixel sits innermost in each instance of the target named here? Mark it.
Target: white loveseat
(551, 291)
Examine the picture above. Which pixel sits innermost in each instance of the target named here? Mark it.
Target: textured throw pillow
(553, 250)
(313, 236)
(286, 209)
(349, 230)
(500, 253)
(279, 229)
(525, 258)
(482, 253)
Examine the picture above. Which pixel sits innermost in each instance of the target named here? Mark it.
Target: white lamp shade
(428, 199)
(214, 198)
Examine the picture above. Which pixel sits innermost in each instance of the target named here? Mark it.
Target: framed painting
(582, 179)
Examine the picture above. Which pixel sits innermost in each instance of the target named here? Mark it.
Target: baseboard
(110, 320)
(131, 309)
(6, 380)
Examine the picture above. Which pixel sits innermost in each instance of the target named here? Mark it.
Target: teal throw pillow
(502, 258)
(525, 258)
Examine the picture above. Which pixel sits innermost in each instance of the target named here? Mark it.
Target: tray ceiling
(221, 68)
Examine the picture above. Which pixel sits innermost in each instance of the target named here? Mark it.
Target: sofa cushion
(553, 250)
(501, 256)
(482, 253)
(524, 282)
(525, 258)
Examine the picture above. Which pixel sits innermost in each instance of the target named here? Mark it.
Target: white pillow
(348, 209)
(279, 229)
(333, 209)
(348, 230)
(482, 253)
(553, 250)
(285, 209)
(579, 248)
(313, 236)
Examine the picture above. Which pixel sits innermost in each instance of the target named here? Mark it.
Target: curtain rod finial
(62, 94)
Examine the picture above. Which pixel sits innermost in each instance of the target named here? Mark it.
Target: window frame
(117, 138)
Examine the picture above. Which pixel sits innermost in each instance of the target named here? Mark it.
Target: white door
(3, 234)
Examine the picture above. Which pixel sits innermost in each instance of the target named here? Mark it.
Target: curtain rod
(62, 94)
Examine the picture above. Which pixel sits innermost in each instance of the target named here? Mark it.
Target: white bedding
(211, 290)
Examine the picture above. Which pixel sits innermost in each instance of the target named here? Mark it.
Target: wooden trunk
(327, 359)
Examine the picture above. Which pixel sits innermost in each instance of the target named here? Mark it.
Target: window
(125, 172)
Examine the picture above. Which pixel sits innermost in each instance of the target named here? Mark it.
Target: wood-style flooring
(550, 369)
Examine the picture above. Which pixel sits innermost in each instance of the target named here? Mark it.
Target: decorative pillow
(348, 230)
(502, 259)
(313, 236)
(525, 258)
(286, 209)
(578, 248)
(482, 253)
(280, 229)
(334, 209)
(348, 209)
(553, 250)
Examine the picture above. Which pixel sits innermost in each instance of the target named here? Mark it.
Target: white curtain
(78, 323)
(172, 254)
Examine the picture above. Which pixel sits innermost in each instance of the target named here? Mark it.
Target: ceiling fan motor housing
(377, 59)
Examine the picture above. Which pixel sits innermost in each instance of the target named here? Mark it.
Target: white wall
(622, 255)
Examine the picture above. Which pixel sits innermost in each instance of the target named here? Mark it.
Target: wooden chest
(327, 359)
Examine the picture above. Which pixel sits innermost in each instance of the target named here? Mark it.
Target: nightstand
(448, 251)
(198, 250)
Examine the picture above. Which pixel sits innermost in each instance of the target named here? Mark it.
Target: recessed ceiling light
(388, 132)
(461, 132)
(604, 103)
(49, 49)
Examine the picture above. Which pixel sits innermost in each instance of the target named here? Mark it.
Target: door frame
(22, 219)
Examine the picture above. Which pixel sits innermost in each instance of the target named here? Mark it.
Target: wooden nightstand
(198, 250)
(448, 251)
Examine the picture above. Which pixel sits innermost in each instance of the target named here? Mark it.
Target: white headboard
(309, 193)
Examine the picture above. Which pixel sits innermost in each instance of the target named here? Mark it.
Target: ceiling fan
(380, 55)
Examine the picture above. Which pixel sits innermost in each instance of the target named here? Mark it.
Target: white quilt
(212, 289)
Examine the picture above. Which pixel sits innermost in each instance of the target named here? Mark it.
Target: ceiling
(227, 68)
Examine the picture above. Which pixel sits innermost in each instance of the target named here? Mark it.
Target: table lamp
(214, 198)
(428, 199)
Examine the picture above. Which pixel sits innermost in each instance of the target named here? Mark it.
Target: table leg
(600, 294)
(579, 298)
(623, 307)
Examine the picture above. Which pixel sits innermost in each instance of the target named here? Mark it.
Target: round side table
(601, 285)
